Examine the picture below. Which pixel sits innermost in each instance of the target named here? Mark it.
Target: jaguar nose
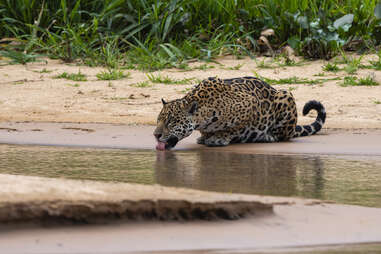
(157, 136)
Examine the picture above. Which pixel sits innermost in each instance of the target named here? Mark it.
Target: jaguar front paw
(201, 140)
(216, 141)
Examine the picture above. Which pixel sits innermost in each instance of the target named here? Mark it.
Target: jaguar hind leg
(285, 116)
(203, 137)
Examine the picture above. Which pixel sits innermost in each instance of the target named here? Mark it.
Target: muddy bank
(289, 226)
(270, 222)
(36, 199)
(328, 141)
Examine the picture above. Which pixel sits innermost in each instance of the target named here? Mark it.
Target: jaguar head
(174, 123)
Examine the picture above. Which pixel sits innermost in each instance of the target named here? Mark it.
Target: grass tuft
(353, 63)
(236, 67)
(204, 67)
(332, 67)
(72, 76)
(295, 80)
(142, 84)
(167, 80)
(354, 81)
(264, 65)
(112, 74)
(73, 85)
(18, 57)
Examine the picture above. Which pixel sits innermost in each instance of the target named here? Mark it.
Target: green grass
(377, 102)
(112, 74)
(142, 84)
(354, 81)
(204, 67)
(115, 98)
(353, 63)
(167, 80)
(284, 61)
(72, 76)
(264, 65)
(295, 80)
(236, 67)
(73, 85)
(320, 74)
(19, 57)
(44, 71)
(156, 34)
(331, 67)
(375, 64)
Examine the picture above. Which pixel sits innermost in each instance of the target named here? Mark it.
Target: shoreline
(358, 142)
(292, 222)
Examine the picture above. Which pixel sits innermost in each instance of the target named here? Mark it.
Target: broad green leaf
(303, 21)
(294, 42)
(344, 21)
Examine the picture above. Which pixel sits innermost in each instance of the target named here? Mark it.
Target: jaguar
(237, 110)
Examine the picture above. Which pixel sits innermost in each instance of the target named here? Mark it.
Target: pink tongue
(160, 146)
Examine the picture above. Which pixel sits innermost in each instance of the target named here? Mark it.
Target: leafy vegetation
(236, 67)
(354, 81)
(204, 67)
(44, 71)
(112, 74)
(155, 34)
(142, 84)
(332, 67)
(167, 80)
(294, 80)
(72, 76)
(376, 64)
(353, 63)
(18, 57)
(73, 85)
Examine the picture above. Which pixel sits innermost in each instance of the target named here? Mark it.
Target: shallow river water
(344, 179)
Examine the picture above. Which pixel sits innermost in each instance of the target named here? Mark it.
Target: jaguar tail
(310, 129)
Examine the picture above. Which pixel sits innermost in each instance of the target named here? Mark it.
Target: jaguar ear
(193, 108)
(163, 101)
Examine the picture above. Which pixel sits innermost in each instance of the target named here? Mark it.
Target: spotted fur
(238, 110)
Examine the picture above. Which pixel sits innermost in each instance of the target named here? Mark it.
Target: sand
(363, 142)
(26, 94)
(37, 108)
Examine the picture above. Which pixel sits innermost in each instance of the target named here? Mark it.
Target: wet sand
(290, 226)
(328, 141)
(275, 222)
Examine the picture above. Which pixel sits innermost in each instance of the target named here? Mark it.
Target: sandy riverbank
(331, 142)
(31, 93)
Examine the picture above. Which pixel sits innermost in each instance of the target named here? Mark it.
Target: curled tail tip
(310, 129)
(318, 107)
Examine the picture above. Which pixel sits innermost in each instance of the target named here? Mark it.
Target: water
(368, 248)
(344, 179)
